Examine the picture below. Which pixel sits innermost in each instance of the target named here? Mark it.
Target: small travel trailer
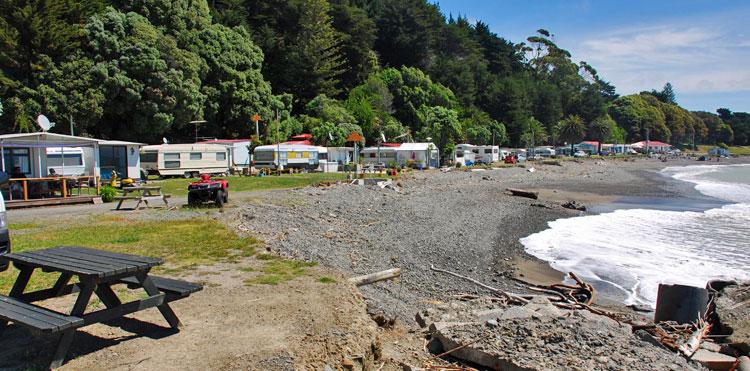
(464, 153)
(544, 151)
(299, 156)
(332, 159)
(186, 160)
(418, 155)
(67, 161)
(239, 152)
(487, 154)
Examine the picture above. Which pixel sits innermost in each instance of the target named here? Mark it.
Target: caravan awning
(45, 140)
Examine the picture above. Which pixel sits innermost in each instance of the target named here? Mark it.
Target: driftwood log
(375, 277)
(523, 193)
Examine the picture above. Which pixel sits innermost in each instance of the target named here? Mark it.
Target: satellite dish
(165, 140)
(44, 123)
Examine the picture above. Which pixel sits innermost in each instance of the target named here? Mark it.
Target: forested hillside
(143, 69)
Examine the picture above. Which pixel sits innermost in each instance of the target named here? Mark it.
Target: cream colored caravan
(186, 160)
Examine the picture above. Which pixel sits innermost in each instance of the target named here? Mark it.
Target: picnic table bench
(142, 194)
(97, 272)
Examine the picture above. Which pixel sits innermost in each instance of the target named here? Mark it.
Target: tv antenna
(44, 123)
(197, 122)
(164, 140)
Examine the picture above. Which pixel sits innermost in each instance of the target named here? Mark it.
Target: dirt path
(300, 324)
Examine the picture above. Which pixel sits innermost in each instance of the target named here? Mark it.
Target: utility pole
(70, 118)
(278, 144)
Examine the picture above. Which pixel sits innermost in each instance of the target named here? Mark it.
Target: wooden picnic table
(97, 271)
(142, 194)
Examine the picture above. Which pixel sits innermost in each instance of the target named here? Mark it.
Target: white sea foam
(627, 253)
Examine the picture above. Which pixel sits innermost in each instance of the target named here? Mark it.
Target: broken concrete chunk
(714, 361)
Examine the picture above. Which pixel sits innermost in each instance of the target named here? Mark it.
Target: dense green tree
(666, 95)
(133, 63)
(442, 127)
(406, 32)
(534, 133)
(357, 32)
(232, 82)
(480, 129)
(572, 130)
(600, 129)
(639, 115)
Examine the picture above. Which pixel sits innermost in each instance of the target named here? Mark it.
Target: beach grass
(276, 270)
(181, 243)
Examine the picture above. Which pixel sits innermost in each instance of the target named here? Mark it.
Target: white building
(419, 155)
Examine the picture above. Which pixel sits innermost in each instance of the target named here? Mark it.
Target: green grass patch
(265, 256)
(181, 243)
(735, 150)
(23, 226)
(178, 187)
(278, 271)
(247, 269)
(326, 279)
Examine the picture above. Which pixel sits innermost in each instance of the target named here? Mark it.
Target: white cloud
(694, 57)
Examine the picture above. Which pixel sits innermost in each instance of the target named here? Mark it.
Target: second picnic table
(142, 194)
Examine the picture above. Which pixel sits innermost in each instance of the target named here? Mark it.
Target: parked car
(580, 154)
(4, 234)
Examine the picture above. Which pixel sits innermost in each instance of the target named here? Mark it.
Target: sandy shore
(460, 220)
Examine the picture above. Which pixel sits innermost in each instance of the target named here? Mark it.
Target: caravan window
(459, 154)
(487, 151)
(171, 164)
(196, 156)
(264, 156)
(171, 160)
(221, 156)
(73, 159)
(495, 150)
(149, 156)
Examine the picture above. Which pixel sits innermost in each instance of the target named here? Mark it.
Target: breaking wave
(627, 253)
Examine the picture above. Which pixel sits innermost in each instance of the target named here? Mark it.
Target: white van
(66, 161)
(186, 160)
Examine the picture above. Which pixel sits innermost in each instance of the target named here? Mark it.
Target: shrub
(108, 193)
(458, 165)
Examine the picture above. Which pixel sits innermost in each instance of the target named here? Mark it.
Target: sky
(702, 47)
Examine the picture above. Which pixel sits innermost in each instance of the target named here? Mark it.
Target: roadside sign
(354, 137)
(256, 117)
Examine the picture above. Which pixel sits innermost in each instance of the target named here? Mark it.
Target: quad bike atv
(208, 190)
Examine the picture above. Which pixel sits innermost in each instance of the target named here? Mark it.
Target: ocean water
(626, 253)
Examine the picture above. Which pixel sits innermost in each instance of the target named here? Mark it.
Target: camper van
(186, 160)
(464, 154)
(487, 154)
(66, 161)
(299, 156)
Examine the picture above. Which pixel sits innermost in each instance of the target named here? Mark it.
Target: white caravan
(464, 153)
(186, 160)
(66, 161)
